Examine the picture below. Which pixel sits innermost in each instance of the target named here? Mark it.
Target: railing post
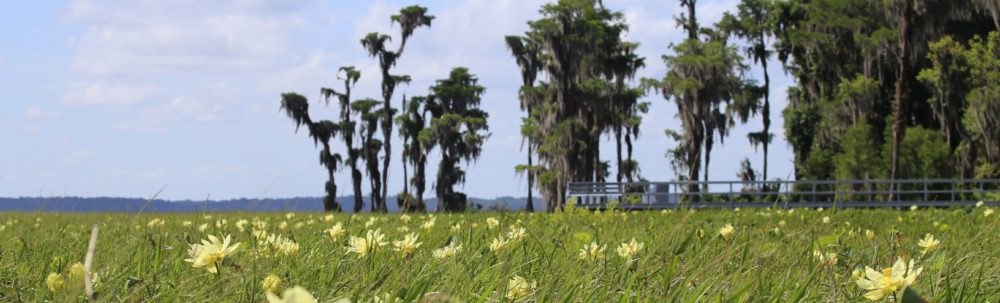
(730, 194)
(926, 193)
(813, 193)
(953, 191)
(868, 187)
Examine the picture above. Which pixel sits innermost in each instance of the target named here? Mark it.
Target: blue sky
(125, 97)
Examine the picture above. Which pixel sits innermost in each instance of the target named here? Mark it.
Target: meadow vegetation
(748, 255)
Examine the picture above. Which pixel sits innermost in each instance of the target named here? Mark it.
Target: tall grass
(684, 258)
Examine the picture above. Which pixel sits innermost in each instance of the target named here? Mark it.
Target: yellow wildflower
(629, 249)
(76, 273)
(336, 231)
(492, 222)
(156, 222)
(448, 251)
(371, 242)
(282, 245)
(988, 212)
(592, 252)
(241, 225)
(271, 284)
(210, 253)
(928, 243)
(295, 294)
(428, 224)
(727, 231)
(498, 244)
(54, 282)
(260, 235)
(516, 233)
(869, 234)
(857, 274)
(407, 245)
(519, 288)
(888, 281)
(826, 220)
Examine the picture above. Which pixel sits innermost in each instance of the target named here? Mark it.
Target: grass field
(678, 256)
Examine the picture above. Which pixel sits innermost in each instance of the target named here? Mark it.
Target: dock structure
(874, 193)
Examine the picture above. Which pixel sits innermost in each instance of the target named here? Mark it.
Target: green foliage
(923, 155)
(458, 128)
(859, 156)
(847, 57)
(967, 100)
(982, 117)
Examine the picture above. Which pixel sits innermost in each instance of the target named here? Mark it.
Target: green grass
(684, 258)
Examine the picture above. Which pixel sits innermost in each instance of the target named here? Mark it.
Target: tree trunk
(330, 203)
(766, 112)
(628, 150)
(618, 151)
(898, 109)
(421, 181)
(694, 163)
(387, 135)
(530, 206)
(359, 202)
(708, 158)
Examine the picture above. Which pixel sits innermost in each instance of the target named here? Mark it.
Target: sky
(127, 98)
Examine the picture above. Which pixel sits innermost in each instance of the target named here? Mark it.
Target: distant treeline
(298, 204)
(895, 89)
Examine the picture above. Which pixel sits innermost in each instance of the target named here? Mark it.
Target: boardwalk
(786, 194)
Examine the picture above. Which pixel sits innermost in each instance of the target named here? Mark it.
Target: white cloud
(310, 71)
(180, 109)
(37, 113)
(102, 93)
(181, 36)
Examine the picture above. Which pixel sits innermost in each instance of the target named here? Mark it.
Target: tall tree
(703, 78)
(526, 55)
(754, 24)
(409, 19)
(297, 108)
(411, 123)
(625, 110)
(368, 114)
(458, 128)
(347, 128)
(576, 42)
